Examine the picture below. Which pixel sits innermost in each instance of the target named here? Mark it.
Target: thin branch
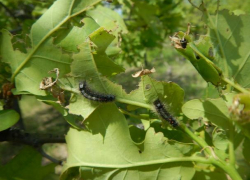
(31, 139)
(133, 115)
(44, 154)
(236, 86)
(197, 139)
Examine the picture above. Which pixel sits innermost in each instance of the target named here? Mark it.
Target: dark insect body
(197, 57)
(183, 43)
(161, 110)
(94, 96)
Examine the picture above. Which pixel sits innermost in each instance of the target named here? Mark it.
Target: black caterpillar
(94, 96)
(183, 43)
(160, 108)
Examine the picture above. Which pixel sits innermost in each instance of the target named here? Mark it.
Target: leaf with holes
(29, 69)
(214, 110)
(108, 150)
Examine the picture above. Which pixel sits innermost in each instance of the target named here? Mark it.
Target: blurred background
(147, 45)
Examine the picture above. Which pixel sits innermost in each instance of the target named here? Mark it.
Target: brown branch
(31, 139)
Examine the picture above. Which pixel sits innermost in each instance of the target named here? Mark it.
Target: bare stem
(236, 86)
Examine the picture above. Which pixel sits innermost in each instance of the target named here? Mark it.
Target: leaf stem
(231, 144)
(135, 103)
(132, 115)
(29, 57)
(121, 100)
(147, 163)
(197, 139)
(236, 86)
(229, 169)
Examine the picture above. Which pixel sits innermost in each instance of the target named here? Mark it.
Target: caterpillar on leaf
(164, 114)
(94, 96)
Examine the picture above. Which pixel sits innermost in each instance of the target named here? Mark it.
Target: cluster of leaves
(148, 25)
(80, 42)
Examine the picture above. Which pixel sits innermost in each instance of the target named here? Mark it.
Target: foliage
(28, 159)
(81, 41)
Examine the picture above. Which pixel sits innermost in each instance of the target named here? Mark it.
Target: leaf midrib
(47, 36)
(138, 164)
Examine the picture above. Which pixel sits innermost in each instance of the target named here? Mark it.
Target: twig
(44, 154)
(31, 139)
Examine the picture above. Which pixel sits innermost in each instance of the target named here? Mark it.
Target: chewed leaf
(43, 56)
(108, 128)
(43, 60)
(86, 67)
(78, 35)
(214, 110)
(168, 92)
(200, 53)
(113, 22)
(143, 72)
(230, 33)
(108, 19)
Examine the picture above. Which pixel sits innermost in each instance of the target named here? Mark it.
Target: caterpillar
(161, 110)
(94, 96)
(183, 43)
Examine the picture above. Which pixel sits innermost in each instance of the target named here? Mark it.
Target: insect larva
(94, 96)
(161, 110)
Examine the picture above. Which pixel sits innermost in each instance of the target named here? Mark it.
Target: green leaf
(198, 53)
(26, 165)
(108, 19)
(114, 154)
(246, 150)
(86, 67)
(174, 134)
(29, 69)
(169, 93)
(231, 41)
(137, 135)
(74, 120)
(220, 140)
(78, 35)
(214, 110)
(211, 175)
(8, 118)
(113, 22)
(101, 39)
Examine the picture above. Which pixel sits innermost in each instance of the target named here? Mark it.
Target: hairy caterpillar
(183, 43)
(161, 110)
(94, 96)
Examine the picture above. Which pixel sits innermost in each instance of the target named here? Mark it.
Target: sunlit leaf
(113, 153)
(8, 118)
(43, 56)
(214, 110)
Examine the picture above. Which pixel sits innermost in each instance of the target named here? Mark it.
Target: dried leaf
(143, 72)
(50, 85)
